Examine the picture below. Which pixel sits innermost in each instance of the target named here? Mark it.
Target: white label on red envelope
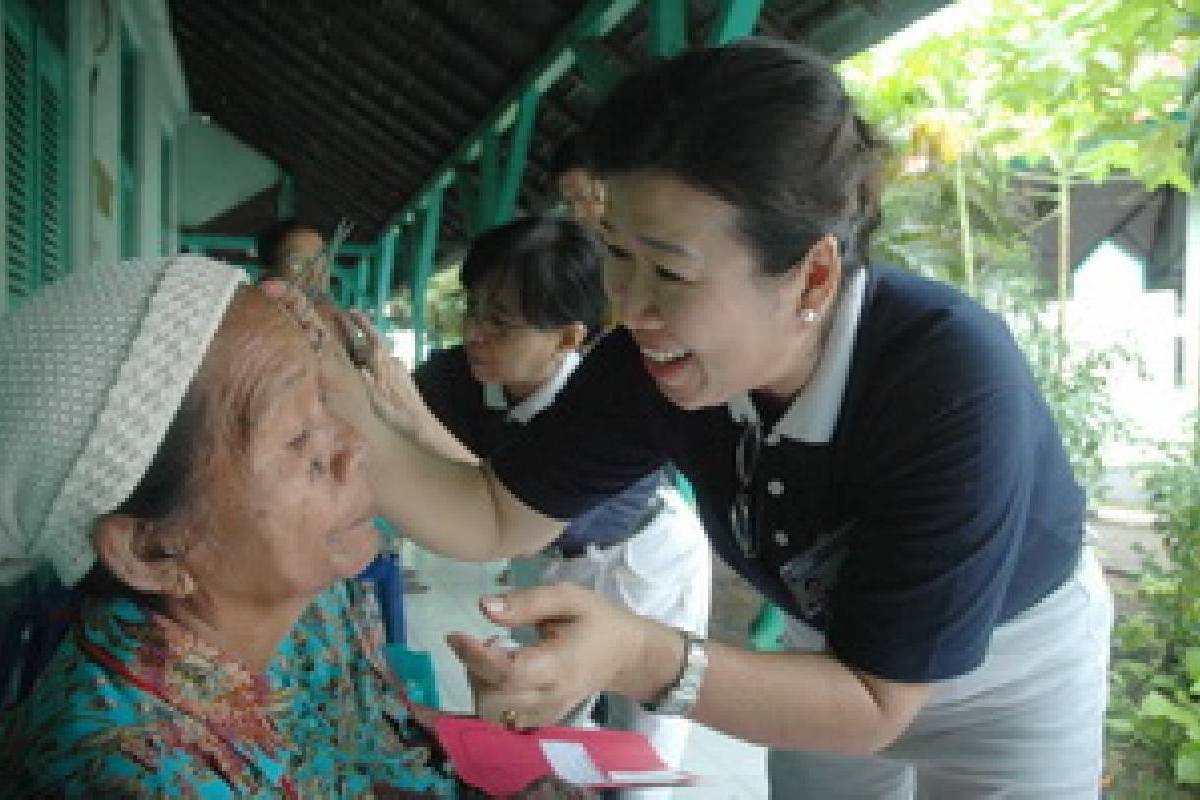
(571, 762)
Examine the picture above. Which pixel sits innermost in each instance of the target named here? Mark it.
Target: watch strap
(679, 698)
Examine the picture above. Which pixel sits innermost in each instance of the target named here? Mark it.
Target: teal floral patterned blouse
(134, 705)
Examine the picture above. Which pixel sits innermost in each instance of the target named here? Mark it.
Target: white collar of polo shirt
(536, 403)
(812, 415)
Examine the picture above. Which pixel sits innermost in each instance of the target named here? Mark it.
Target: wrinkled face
(281, 506)
(708, 322)
(503, 348)
(585, 194)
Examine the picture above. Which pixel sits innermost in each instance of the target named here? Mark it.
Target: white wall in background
(217, 172)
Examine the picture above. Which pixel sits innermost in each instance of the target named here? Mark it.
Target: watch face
(679, 699)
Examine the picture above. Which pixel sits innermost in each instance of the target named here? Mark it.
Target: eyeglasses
(490, 325)
(494, 323)
(743, 512)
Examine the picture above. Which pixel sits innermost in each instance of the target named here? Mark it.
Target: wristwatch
(678, 699)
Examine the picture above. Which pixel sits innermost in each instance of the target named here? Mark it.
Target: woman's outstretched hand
(586, 645)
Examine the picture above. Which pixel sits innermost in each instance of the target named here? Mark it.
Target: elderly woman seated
(167, 449)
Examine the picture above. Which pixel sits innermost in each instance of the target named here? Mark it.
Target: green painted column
(518, 152)
(668, 27)
(383, 276)
(345, 288)
(423, 253)
(467, 189)
(285, 200)
(597, 69)
(735, 20)
(362, 281)
(489, 179)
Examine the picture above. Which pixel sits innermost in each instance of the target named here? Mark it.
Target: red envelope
(501, 761)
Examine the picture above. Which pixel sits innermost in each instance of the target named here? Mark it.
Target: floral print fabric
(135, 705)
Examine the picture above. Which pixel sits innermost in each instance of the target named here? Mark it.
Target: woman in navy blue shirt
(868, 448)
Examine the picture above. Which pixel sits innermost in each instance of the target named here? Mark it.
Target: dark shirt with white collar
(482, 419)
(919, 470)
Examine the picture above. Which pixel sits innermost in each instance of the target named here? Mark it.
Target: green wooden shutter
(166, 167)
(52, 171)
(35, 150)
(131, 102)
(20, 265)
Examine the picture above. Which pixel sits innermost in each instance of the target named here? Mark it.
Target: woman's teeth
(663, 356)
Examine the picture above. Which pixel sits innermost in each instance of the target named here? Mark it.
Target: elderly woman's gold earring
(184, 584)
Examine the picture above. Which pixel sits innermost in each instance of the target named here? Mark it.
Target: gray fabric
(1026, 725)
(92, 371)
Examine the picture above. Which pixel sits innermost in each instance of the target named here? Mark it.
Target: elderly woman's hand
(587, 645)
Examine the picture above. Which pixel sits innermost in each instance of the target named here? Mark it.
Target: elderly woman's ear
(143, 554)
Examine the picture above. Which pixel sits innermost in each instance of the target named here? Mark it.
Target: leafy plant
(1080, 400)
(445, 304)
(1156, 666)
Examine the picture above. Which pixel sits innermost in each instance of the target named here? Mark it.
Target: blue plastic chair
(387, 575)
(413, 667)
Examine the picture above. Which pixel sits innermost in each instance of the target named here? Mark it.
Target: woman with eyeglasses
(534, 300)
(868, 449)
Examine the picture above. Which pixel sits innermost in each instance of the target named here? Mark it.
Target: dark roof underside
(362, 100)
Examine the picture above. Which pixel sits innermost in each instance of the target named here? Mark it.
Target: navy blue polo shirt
(939, 504)
(460, 402)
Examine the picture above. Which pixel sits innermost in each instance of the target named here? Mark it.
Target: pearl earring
(808, 316)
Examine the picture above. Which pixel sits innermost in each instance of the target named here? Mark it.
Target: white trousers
(664, 573)
(1027, 724)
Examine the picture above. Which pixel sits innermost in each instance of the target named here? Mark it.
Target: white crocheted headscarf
(92, 371)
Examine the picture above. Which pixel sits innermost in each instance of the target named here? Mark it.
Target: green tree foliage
(1191, 97)
(1022, 93)
(1071, 89)
(1089, 88)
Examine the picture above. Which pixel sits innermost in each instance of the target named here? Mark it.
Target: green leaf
(1187, 763)
(1191, 662)
(1109, 58)
(1166, 682)
(1155, 705)
(1120, 724)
